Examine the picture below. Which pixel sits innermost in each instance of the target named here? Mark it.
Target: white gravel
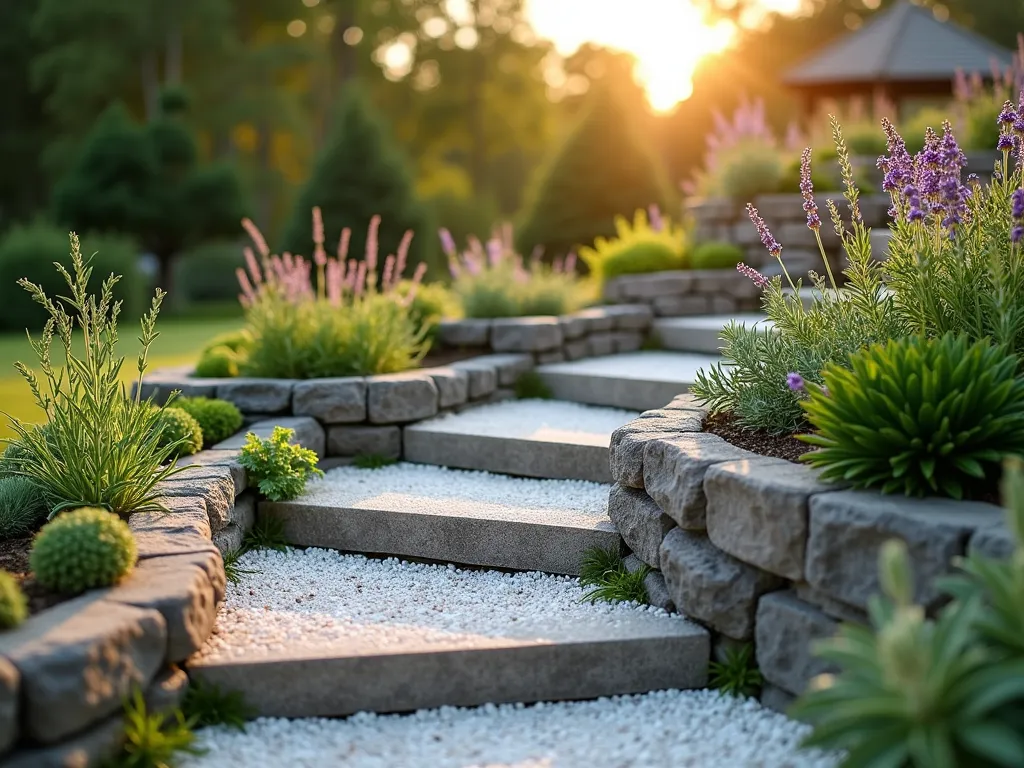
(553, 420)
(668, 729)
(442, 491)
(303, 601)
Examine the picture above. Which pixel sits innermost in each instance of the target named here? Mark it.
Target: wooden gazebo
(903, 52)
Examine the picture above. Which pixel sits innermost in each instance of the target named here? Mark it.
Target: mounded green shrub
(216, 363)
(430, 305)
(176, 424)
(22, 506)
(13, 603)
(218, 419)
(206, 273)
(236, 341)
(638, 248)
(83, 549)
(716, 255)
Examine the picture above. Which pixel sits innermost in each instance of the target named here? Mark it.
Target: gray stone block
(626, 452)
(402, 398)
(510, 366)
(576, 350)
(829, 605)
(229, 539)
(214, 484)
(631, 317)
(546, 358)
(681, 306)
(383, 441)
(220, 458)
(331, 401)
(526, 334)
(757, 511)
(91, 747)
(993, 541)
(640, 522)
(787, 629)
(308, 433)
(167, 692)
(10, 682)
(724, 305)
(159, 384)
(727, 282)
(650, 286)
(600, 343)
(183, 594)
(776, 699)
(185, 516)
(597, 319)
(573, 326)
(464, 333)
(257, 395)
(79, 659)
(674, 474)
(654, 582)
(847, 528)
(483, 377)
(243, 514)
(628, 341)
(452, 386)
(708, 585)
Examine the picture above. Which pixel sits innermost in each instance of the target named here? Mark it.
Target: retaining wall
(760, 550)
(680, 293)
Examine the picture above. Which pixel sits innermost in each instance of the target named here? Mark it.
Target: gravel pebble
(539, 419)
(670, 729)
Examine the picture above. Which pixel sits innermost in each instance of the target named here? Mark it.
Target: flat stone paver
(701, 333)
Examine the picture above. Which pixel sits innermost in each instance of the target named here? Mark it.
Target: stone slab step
(452, 516)
(518, 639)
(636, 380)
(701, 333)
(528, 438)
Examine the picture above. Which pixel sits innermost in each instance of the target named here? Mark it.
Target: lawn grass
(179, 342)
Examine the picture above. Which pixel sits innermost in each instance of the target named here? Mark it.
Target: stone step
(701, 334)
(433, 513)
(385, 636)
(528, 438)
(637, 380)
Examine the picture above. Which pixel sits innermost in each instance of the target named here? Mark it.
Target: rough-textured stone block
(452, 386)
(626, 452)
(712, 209)
(220, 458)
(601, 343)
(244, 512)
(787, 628)
(711, 586)
(383, 441)
(640, 522)
(650, 286)
(526, 334)
(159, 384)
(229, 539)
(631, 317)
(776, 699)
(555, 356)
(186, 516)
(654, 582)
(167, 691)
(509, 366)
(257, 395)
(214, 484)
(79, 659)
(483, 377)
(757, 511)
(674, 473)
(682, 306)
(993, 541)
(308, 433)
(401, 398)
(597, 319)
(576, 350)
(628, 341)
(331, 401)
(464, 333)
(183, 594)
(10, 682)
(724, 305)
(573, 326)
(848, 527)
(92, 747)
(829, 605)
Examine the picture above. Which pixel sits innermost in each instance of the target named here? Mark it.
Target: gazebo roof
(904, 43)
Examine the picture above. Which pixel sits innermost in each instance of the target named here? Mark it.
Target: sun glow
(669, 38)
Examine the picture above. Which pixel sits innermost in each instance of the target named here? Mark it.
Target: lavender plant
(751, 382)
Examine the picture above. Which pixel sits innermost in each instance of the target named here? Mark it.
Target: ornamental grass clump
(332, 316)
(650, 243)
(100, 446)
(751, 381)
(918, 416)
(491, 280)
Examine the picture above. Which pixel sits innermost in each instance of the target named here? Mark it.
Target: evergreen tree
(359, 173)
(603, 169)
(147, 181)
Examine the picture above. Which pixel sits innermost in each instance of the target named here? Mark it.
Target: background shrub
(638, 247)
(217, 363)
(206, 273)
(22, 506)
(431, 303)
(179, 428)
(83, 549)
(218, 419)
(745, 171)
(716, 255)
(30, 251)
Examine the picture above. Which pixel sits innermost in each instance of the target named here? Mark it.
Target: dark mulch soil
(14, 560)
(757, 441)
(438, 358)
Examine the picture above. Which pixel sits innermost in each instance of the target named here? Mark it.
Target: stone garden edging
(686, 292)
(759, 549)
(65, 672)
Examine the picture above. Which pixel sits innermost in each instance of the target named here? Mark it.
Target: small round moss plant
(13, 603)
(176, 424)
(83, 549)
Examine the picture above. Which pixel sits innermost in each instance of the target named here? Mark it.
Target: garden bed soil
(758, 441)
(14, 559)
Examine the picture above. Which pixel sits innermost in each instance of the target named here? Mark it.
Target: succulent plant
(83, 549)
(218, 419)
(13, 603)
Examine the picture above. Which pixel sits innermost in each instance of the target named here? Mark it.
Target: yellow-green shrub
(637, 248)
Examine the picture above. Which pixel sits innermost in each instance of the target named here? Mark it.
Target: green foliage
(100, 447)
(237, 341)
(30, 252)
(636, 249)
(745, 171)
(359, 174)
(22, 507)
(823, 174)
(737, 674)
(372, 461)
(751, 380)
(218, 419)
(13, 603)
(531, 386)
(465, 217)
(716, 255)
(279, 468)
(83, 549)
(154, 739)
(926, 693)
(431, 303)
(918, 416)
(206, 273)
(217, 363)
(180, 429)
(267, 533)
(605, 168)
(206, 705)
(605, 571)
(233, 571)
(865, 139)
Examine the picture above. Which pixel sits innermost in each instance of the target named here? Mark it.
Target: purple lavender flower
(795, 382)
(756, 277)
(807, 190)
(1008, 115)
(767, 239)
(1016, 234)
(447, 241)
(1018, 125)
(898, 164)
(1017, 204)
(1005, 142)
(494, 251)
(654, 214)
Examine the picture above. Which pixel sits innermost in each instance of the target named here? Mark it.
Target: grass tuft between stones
(605, 571)
(207, 704)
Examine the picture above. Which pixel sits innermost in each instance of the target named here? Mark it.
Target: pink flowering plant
(492, 280)
(331, 315)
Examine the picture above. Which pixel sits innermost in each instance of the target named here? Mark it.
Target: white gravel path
(442, 491)
(668, 729)
(554, 420)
